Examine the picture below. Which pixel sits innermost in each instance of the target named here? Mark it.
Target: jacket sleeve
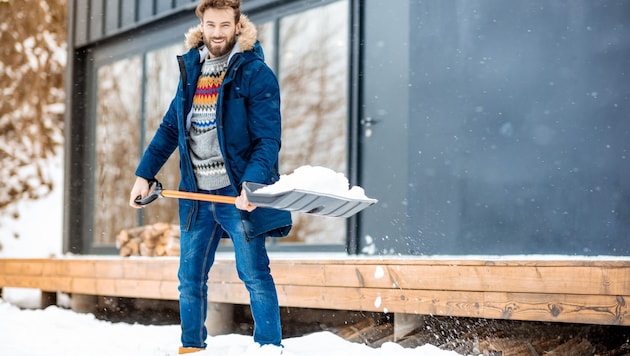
(264, 127)
(162, 145)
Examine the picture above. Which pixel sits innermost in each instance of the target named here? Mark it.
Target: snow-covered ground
(24, 331)
(38, 228)
(55, 331)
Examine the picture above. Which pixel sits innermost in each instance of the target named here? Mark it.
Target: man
(225, 121)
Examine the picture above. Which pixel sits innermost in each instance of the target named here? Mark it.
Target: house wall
(482, 127)
(498, 127)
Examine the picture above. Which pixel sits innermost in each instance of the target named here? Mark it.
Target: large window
(312, 69)
(309, 52)
(117, 139)
(132, 95)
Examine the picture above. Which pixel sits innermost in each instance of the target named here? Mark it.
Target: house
(495, 135)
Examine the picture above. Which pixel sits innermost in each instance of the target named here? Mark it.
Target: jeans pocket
(186, 211)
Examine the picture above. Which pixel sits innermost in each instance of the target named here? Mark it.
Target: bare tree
(33, 53)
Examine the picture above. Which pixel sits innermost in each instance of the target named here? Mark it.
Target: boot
(189, 350)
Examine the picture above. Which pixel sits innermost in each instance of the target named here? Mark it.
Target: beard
(218, 50)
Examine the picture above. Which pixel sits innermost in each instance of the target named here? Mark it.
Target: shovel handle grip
(154, 194)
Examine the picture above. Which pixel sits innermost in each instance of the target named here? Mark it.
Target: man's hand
(242, 202)
(140, 188)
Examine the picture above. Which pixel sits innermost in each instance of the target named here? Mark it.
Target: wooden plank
(83, 285)
(600, 280)
(130, 288)
(587, 280)
(81, 268)
(562, 261)
(584, 280)
(158, 270)
(110, 270)
(567, 291)
(20, 282)
(17, 267)
(588, 309)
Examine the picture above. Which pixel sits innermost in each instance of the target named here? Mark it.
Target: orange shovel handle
(199, 196)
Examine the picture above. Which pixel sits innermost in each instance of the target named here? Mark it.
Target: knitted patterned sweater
(207, 160)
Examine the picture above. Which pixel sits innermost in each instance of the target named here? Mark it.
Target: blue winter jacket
(248, 128)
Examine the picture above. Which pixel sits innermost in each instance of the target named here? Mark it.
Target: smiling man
(219, 30)
(225, 123)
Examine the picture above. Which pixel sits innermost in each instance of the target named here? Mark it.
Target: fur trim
(247, 38)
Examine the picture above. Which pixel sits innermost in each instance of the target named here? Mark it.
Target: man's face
(219, 31)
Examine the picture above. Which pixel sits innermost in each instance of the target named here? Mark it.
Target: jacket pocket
(235, 122)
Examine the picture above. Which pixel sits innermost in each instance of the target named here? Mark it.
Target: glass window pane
(118, 111)
(162, 76)
(266, 34)
(313, 54)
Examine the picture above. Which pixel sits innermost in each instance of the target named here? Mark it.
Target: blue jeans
(197, 250)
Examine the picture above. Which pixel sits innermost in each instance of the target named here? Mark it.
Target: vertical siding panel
(96, 20)
(81, 22)
(112, 16)
(128, 13)
(146, 9)
(181, 3)
(163, 6)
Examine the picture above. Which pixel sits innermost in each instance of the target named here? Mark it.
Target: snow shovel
(294, 200)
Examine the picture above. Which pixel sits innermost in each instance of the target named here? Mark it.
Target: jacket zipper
(182, 70)
(232, 68)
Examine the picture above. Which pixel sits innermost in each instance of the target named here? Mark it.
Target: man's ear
(238, 28)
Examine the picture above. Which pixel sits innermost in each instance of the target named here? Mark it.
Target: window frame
(81, 122)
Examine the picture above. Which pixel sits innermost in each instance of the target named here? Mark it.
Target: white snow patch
(33, 228)
(379, 272)
(378, 301)
(315, 179)
(370, 246)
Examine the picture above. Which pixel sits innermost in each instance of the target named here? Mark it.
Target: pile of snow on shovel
(315, 179)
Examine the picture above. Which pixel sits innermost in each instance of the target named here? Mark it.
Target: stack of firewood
(159, 239)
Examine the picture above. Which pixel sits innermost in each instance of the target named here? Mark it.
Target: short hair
(219, 4)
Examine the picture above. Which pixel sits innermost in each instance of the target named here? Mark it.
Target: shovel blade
(307, 201)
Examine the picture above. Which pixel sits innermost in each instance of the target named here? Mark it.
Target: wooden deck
(578, 291)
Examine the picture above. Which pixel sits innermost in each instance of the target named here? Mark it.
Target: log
(159, 239)
(172, 242)
(130, 248)
(353, 332)
(507, 346)
(574, 347)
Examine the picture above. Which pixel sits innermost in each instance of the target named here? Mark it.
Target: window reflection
(121, 118)
(266, 34)
(312, 71)
(117, 125)
(162, 75)
(313, 80)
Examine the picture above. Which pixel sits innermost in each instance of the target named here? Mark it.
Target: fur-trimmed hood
(247, 38)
